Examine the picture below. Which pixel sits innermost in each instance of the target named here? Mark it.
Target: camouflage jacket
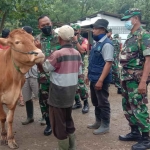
(49, 44)
(116, 45)
(132, 56)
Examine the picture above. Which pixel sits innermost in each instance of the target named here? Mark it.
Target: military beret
(5, 33)
(130, 13)
(28, 29)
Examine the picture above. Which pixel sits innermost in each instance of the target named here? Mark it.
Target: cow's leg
(3, 130)
(10, 137)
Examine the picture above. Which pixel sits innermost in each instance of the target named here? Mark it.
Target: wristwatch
(75, 42)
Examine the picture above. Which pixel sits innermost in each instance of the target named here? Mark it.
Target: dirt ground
(30, 137)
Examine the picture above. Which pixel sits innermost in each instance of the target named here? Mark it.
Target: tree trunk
(3, 20)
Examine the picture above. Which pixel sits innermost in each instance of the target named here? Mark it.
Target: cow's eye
(17, 42)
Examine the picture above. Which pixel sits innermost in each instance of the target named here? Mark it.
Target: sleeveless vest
(97, 63)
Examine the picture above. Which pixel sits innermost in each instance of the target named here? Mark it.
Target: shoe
(85, 107)
(119, 91)
(134, 135)
(29, 110)
(42, 121)
(63, 144)
(48, 131)
(77, 104)
(96, 125)
(29, 120)
(72, 145)
(104, 128)
(144, 143)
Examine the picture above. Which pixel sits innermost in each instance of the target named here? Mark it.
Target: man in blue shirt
(99, 75)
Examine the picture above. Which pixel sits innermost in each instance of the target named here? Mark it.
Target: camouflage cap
(130, 13)
(76, 26)
(116, 35)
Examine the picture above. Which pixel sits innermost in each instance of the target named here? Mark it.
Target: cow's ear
(4, 41)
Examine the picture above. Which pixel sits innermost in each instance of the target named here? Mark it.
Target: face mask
(47, 30)
(98, 37)
(128, 25)
(76, 33)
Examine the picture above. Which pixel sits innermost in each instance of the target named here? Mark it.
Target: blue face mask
(128, 25)
(98, 37)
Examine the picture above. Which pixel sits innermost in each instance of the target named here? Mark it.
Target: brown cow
(14, 63)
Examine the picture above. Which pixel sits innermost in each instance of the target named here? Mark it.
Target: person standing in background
(81, 44)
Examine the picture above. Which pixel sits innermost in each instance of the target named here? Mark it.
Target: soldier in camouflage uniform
(135, 67)
(109, 34)
(81, 44)
(115, 69)
(46, 41)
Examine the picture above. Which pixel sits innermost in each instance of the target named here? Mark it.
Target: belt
(134, 71)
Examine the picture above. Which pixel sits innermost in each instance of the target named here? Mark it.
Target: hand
(98, 85)
(37, 44)
(87, 81)
(142, 88)
(75, 38)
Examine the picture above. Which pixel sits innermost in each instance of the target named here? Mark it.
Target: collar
(67, 46)
(136, 32)
(103, 38)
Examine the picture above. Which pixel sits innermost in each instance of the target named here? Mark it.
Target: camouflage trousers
(43, 98)
(115, 75)
(134, 105)
(82, 91)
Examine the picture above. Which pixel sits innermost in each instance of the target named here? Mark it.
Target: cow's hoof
(12, 144)
(4, 138)
(4, 142)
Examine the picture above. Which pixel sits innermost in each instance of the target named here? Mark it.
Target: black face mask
(47, 30)
(76, 33)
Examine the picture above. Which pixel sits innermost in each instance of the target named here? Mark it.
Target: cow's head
(23, 50)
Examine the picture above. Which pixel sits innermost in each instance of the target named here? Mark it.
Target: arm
(80, 49)
(50, 63)
(145, 48)
(83, 47)
(142, 86)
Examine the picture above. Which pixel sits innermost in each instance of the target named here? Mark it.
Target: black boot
(48, 130)
(29, 110)
(119, 91)
(85, 107)
(77, 104)
(144, 143)
(134, 135)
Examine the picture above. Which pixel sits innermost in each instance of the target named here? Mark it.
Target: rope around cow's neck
(17, 68)
(30, 53)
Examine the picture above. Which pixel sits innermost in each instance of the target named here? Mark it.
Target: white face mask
(129, 25)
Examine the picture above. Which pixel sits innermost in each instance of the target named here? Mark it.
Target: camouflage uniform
(49, 44)
(132, 56)
(82, 91)
(115, 69)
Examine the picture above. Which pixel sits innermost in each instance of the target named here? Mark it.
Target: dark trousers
(100, 101)
(61, 122)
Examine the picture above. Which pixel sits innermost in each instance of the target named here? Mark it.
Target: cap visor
(126, 17)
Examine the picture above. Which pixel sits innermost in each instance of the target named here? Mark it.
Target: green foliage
(17, 13)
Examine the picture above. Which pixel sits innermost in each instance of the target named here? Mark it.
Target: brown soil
(30, 137)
